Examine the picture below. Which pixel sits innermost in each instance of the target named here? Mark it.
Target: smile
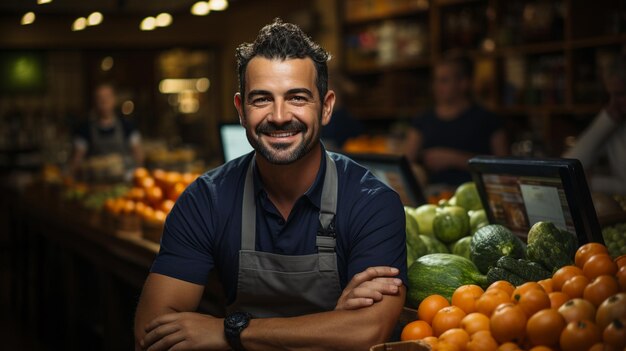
(282, 134)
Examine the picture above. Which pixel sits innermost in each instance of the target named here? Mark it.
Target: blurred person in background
(342, 124)
(106, 133)
(606, 136)
(456, 129)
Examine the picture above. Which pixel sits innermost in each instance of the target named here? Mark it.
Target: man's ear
(238, 101)
(327, 107)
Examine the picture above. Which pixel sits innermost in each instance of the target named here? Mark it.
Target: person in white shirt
(606, 135)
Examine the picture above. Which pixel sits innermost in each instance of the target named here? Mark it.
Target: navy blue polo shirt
(203, 231)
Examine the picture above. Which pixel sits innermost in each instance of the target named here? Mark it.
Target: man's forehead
(263, 68)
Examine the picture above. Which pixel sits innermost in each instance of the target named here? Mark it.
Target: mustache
(269, 127)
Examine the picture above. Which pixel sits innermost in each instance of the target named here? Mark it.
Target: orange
(620, 261)
(416, 330)
(534, 300)
(522, 289)
(563, 274)
(432, 341)
(600, 264)
(600, 289)
(482, 341)
(614, 334)
(577, 309)
(508, 323)
(586, 251)
(575, 286)
(508, 346)
(475, 322)
(446, 346)
(579, 336)
(430, 306)
(465, 297)
(167, 205)
(455, 336)
(546, 284)
(597, 347)
(540, 348)
(488, 302)
(502, 285)
(557, 298)
(545, 327)
(447, 318)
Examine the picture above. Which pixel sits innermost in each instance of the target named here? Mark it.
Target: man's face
(282, 111)
(448, 84)
(104, 98)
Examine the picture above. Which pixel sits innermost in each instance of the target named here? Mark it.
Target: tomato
(520, 290)
(508, 346)
(577, 309)
(475, 322)
(614, 334)
(546, 284)
(534, 300)
(488, 302)
(482, 341)
(597, 347)
(508, 323)
(575, 286)
(620, 261)
(430, 306)
(601, 289)
(540, 348)
(545, 327)
(455, 336)
(579, 336)
(447, 318)
(621, 277)
(432, 341)
(612, 308)
(598, 265)
(502, 285)
(465, 297)
(416, 330)
(563, 274)
(557, 299)
(586, 251)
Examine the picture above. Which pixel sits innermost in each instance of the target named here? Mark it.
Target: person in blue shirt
(308, 245)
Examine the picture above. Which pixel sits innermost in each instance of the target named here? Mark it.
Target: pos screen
(518, 193)
(234, 141)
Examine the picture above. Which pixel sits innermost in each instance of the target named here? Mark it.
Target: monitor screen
(234, 141)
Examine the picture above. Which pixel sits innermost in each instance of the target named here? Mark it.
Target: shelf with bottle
(363, 11)
(522, 22)
(464, 27)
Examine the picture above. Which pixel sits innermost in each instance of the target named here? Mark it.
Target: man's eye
(260, 101)
(299, 98)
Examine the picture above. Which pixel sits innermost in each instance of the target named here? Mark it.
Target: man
(286, 227)
(606, 135)
(456, 129)
(105, 133)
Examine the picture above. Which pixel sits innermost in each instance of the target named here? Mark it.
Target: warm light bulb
(200, 8)
(94, 19)
(148, 23)
(41, 2)
(79, 24)
(163, 19)
(218, 5)
(28, 18)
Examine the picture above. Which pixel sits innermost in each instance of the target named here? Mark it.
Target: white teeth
(282, 135)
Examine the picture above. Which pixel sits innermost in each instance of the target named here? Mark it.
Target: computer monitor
(395, 172)
(519, 192)
(234, 141)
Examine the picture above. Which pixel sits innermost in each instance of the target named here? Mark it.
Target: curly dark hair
(280, 40)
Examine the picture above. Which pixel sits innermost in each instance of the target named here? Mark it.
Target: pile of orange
(582, 307)
(152, 196)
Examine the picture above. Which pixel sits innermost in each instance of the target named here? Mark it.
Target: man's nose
(280, 113)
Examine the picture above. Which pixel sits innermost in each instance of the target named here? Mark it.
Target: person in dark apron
(106, 134)
(307, 244)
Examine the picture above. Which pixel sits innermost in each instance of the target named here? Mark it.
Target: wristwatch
(234, 324)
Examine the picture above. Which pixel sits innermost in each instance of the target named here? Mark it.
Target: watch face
(237, 319)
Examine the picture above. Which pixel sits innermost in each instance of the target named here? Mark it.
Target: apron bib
(272, 285)
(114, 144)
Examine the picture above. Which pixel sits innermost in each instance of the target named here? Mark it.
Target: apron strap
(248, 212)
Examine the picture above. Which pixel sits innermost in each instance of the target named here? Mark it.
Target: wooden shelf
(395, 14)
(529, 49)
(394, 67)
(598, 41)
(549, 109)
(442, 3)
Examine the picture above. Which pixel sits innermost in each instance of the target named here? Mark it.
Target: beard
(282, 153)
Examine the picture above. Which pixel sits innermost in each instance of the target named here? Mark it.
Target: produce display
(532, 306)
(615, 239)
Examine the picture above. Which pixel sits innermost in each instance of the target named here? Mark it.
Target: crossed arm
(365, 315)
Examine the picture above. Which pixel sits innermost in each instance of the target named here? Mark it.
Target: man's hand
(368, 287)
(440, 158)
(185, 331)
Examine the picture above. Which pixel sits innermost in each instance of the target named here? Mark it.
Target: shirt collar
(313, 194)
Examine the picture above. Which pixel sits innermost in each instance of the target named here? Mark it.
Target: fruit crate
(402, 346)
(152, 230)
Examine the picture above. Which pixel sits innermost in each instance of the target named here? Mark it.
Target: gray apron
(272, 285)
(114, 144)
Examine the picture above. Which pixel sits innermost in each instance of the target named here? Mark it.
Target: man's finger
(382, 288)
(166, 318)
(159, 333)
(167, 342)
(353, 304)
(389, 281)
(366, 293)
(371, 273)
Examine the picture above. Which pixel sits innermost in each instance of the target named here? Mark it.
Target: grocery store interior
(79, 231)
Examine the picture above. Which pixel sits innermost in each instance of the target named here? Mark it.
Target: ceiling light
(94, 19)
(200, 8)
(148, 23)
(163, 19)
(41, 2)
(28, 18)
(218, 5)
(79, 24)
(107, 63)
(203, 84)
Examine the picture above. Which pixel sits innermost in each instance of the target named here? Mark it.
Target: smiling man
(307, 244)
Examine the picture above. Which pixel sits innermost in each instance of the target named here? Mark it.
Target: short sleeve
(186, 244)
(380, 235)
